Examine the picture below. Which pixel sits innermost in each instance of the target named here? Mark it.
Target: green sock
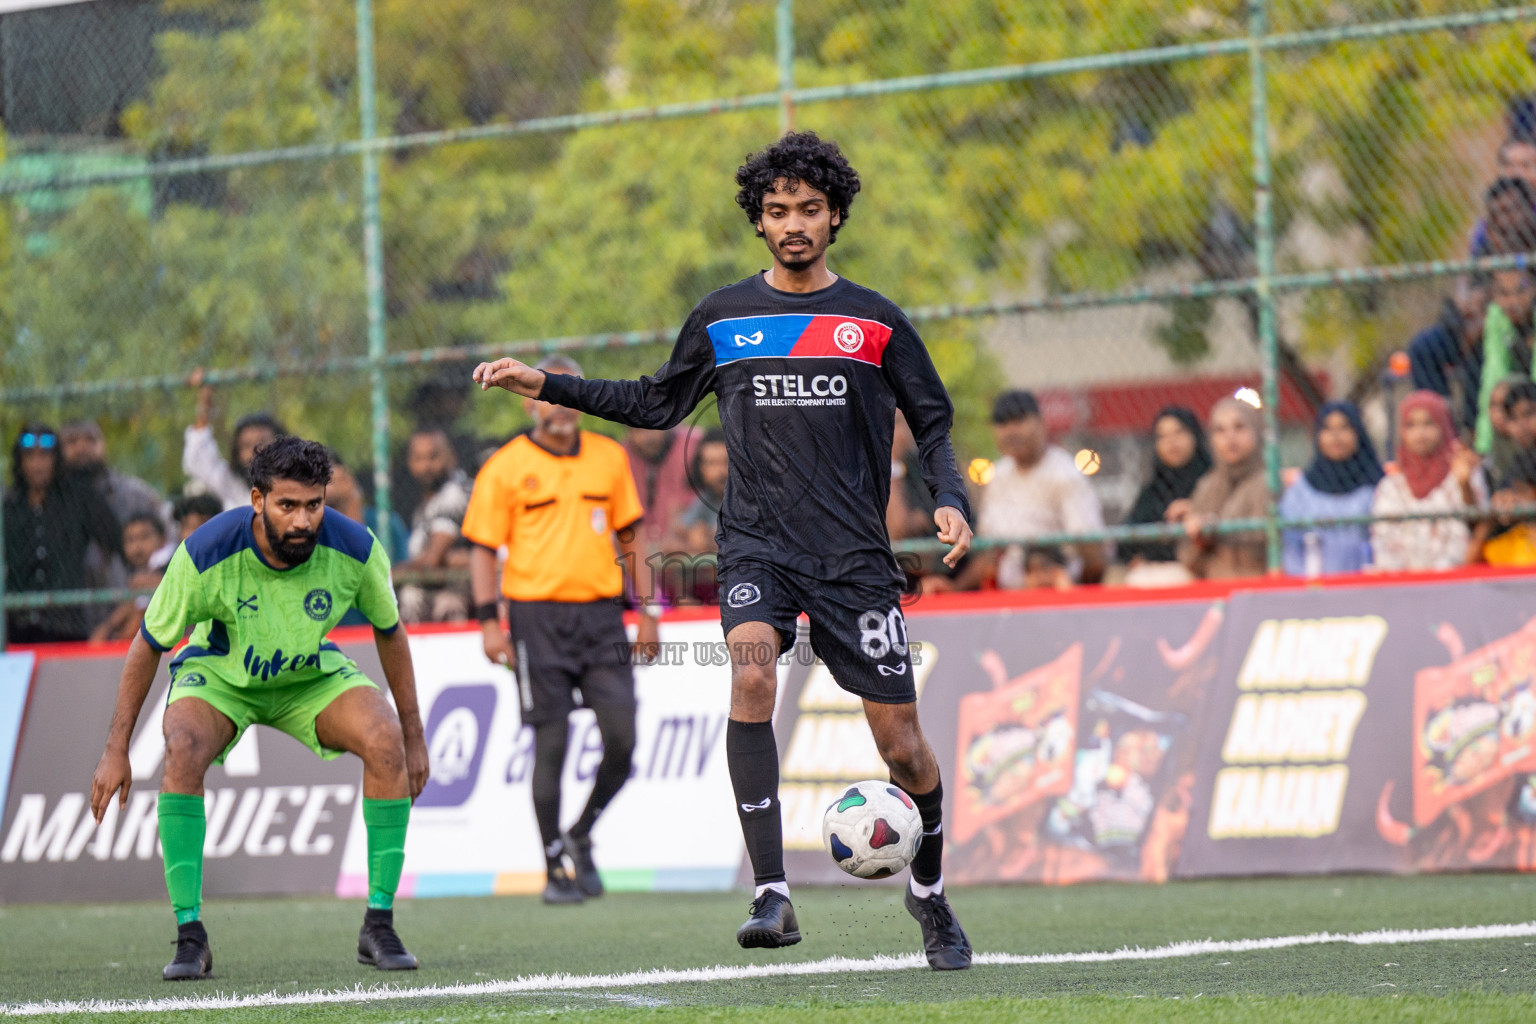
(385, 820)
(183, 823)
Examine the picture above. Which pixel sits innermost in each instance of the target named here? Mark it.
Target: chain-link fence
(330, 211)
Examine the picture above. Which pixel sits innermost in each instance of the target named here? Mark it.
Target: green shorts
(291, 708)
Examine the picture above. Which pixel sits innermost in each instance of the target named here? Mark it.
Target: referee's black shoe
(560, 887)
(379, 946)
(580, 851)
(193, 958)
(943, 939)
(772, 923)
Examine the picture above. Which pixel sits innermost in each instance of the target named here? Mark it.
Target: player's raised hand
(954, 531)
(114, 775)
(516, 377)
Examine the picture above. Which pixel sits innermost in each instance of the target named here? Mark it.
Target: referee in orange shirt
(563, 502)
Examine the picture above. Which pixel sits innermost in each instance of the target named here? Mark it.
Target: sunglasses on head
(43, 441)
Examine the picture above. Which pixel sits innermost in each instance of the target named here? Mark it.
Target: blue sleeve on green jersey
(376, 592)
(177, 601)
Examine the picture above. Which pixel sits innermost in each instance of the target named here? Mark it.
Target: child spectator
(1507, 334)
(1435, 474)
(143, 538)
(1234, 488)
(1340, 481)
(1515, 546)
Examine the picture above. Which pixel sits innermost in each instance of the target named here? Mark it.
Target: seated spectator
(1435, 473)
(694, 532)
(1179, 459)
(191, 511)
(84, 450)
(1507, 334)
(436, 403)
(1340, 481)
(1509, 219)
(345, 494)
(143, 537)
(435, 530)
(207, 469)
(658, 460)
(1233, 489)
(1035, 489)
(1515, 546)
(708, 471)
(50, 521)
(1447, 358)
(1045, 568)
(1516, 162)
(910, 506)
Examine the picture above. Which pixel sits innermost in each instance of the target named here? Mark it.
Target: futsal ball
(872, 830)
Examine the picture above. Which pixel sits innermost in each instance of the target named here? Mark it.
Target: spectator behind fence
(209, 470)
(50, 521)
(1340, 481)
(1447, 358)
(1035, 489)
(143, 538)
(1180, 457)
(1046, 569)
(436, 540)
(345, 494)
(1516, 162)
(1233, 489)
(694, 535)
(1507, 334)
(658, 461)
(1515, 546)
(1435, 473)
(1509, 219)
(84, 450)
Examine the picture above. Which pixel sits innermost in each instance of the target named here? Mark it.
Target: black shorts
(856, 628)
(569, 650)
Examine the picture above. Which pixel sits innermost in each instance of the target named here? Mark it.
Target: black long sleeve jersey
(807, 385)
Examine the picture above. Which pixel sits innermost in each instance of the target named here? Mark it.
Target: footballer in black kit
(809, 370)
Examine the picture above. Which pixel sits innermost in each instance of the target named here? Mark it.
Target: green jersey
(261, 627)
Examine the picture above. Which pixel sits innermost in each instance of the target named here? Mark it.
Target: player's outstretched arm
(512, 375)
(114, 775)
(395, 656)
(954, 531)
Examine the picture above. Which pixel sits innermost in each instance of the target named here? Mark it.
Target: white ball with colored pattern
(872, 830)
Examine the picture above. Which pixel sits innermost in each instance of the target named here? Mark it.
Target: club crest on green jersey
(317, 604)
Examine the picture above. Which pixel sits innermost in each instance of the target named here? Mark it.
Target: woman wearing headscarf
(1233, 488)
(1340, 481)
(1179, 459)
(1435, 474)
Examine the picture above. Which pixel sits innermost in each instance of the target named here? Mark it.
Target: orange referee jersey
(555, 514)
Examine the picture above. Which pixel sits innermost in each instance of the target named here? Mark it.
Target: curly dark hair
(290, 458)
(798, 157)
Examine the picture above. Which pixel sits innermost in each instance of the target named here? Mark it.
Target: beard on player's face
(292, 546)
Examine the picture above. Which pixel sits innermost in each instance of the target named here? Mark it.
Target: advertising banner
(1370, 728)
(673, 825)
(1064, 737)
(277, 815)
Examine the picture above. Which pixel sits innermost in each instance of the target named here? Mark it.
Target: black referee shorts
(570, 654)
(856, 628)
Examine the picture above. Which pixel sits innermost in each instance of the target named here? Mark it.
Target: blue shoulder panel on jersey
(349, 537)
(747, 336)
(226, 534)
(154, 644)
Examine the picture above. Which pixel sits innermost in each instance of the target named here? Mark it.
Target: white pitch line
(831, 965)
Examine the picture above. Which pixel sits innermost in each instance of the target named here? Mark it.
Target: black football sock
(617, 727)
(928, 865)
(549, 739)
(753, 757)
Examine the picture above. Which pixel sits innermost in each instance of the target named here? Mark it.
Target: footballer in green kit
(263, 586)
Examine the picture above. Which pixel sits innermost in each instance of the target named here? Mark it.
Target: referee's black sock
(617, 727)
(928, 865)
(753, 757)
(549, 739)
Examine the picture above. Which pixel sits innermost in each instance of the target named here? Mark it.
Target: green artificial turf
(79, 952)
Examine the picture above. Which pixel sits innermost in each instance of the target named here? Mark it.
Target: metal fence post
(785, 38)
(373, 268)
(1264, 252)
